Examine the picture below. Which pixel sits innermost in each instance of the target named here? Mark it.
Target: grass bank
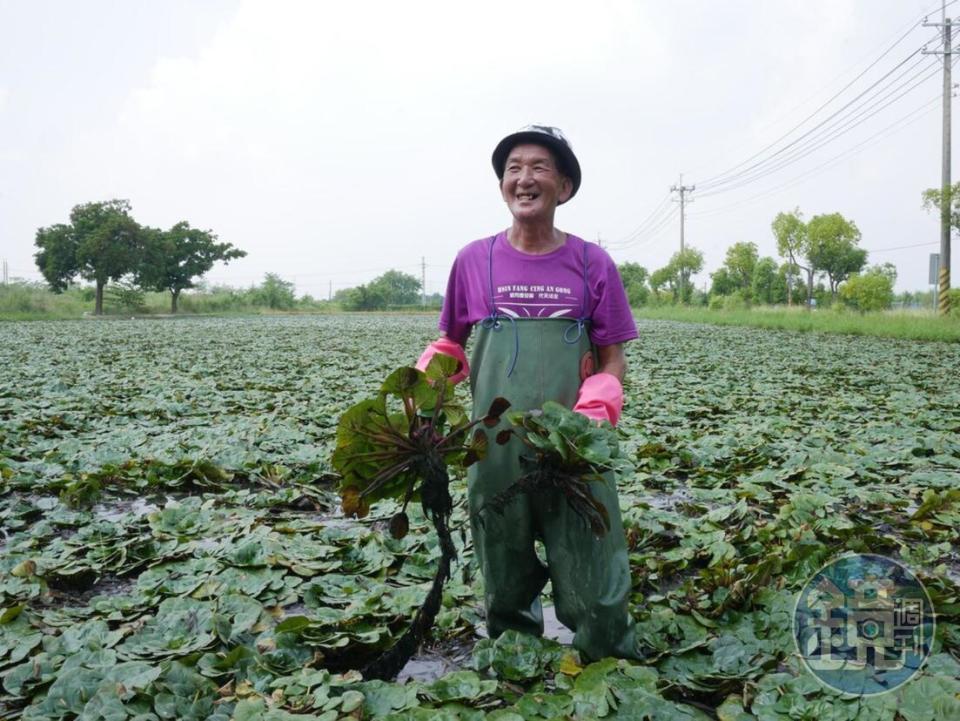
(33, 301)
(909, 325)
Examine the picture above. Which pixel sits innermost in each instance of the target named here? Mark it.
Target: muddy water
(118, 510)
(437, 661)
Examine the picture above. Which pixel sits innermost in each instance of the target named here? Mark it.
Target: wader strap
(584, 318)
(492, 321)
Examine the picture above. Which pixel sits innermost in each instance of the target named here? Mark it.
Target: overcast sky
(334, 141)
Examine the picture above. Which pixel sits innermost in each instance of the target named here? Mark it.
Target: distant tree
(364, 297)
(721, 283)
(676, 274)
(791, 234)
(740, 261)
(662, 278)
(634, 277)
(396, 287)
(887, 269)
(906, 299)
(275, 293)
(57, 257)
(687, 262)
(173, 259)
(768, 285)
(869, 291)
(102, 243)
(832, 247)
(792, 280)
(933, 199)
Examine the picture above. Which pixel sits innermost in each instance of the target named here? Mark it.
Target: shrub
(735, 301)
(869, 291)
(954, 295)
(126, 294)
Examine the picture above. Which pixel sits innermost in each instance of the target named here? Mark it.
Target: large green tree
(363, 297)
(101, 243)
(662, 278)
(721, 283)
(676, 274)
(740, 261)
(933, 199)
(634, 277)
(390, 289)
(397, 287)
(832, 246)
(57, 255)
(174, 258)
(275, 293)
(791, 234)
(768, 285)
(688, 262)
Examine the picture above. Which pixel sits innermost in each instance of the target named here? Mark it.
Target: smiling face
(532, 184)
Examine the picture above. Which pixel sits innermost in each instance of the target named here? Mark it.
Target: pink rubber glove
(448, 347)
(600, 398)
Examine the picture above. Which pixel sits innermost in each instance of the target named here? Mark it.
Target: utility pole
(599, 240)
(6, 272)
(682, 190)
(330, 290)
(423, 278)
(946, 202)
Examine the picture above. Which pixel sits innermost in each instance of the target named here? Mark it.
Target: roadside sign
(934, 268)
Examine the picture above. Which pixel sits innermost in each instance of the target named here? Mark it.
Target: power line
(663, 204)
(651, 233)
(900, 37)
(720, 180)
(865, 105)
(888, 130)
(815, 144)
(903, 247)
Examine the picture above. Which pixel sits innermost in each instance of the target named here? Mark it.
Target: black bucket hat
(547, 136)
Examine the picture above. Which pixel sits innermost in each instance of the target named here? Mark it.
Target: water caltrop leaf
(459, 686)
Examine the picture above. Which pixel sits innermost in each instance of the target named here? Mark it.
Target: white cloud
(329, 137)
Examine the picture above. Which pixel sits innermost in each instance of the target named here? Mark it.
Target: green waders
(590, 576)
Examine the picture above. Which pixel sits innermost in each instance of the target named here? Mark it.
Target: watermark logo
(864, 624)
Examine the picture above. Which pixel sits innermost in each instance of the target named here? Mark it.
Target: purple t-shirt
(537, 286)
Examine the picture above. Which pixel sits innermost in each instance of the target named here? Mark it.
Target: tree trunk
(98, 304)
(809, 287)
(790, 283)
(174, 297)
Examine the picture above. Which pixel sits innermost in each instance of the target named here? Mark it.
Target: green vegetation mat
(172, 548)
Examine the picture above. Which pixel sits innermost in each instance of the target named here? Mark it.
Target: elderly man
(551, 317)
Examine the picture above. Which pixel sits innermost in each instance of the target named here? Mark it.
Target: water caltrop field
(173, 545)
